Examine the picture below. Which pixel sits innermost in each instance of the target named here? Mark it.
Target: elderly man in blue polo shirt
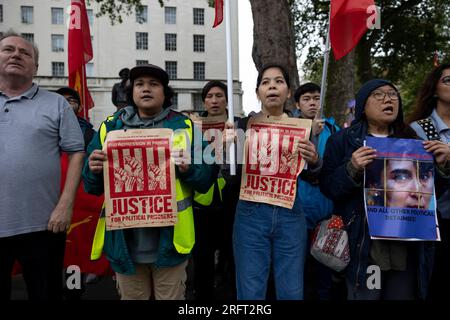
(35, 126)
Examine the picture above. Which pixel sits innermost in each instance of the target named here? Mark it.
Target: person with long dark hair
(431, 121)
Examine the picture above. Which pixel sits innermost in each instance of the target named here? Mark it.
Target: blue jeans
(266, 235)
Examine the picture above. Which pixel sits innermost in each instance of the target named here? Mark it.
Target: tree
(273, 36)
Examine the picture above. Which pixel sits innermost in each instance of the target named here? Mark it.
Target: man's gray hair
(12, 33)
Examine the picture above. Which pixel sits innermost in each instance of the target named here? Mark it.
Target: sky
(247, 69)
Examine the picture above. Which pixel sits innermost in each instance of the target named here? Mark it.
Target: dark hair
(273, 65)
(168, 95)
(309, 87)
(426, 100)
(211, 84)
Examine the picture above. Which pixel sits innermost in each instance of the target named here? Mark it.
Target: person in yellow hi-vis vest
(150, 262)
(214, 216)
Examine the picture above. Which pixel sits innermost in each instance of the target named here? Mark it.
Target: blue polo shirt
(34, 128)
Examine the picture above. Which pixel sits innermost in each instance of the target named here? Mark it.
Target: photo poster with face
(139, 179)
(399, 192)
(272, 161)
(212, 130)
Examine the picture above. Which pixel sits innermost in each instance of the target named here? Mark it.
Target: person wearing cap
(150, 261)
(405, 266)
(73, 98)
(119, 90)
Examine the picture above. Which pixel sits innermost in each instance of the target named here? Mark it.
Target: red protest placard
(272, 161)
(139, 179)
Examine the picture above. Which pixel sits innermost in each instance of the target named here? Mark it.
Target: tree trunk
(363, 60)
(273, 37)
(340, 86)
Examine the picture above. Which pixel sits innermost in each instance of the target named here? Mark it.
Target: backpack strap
(429, 129)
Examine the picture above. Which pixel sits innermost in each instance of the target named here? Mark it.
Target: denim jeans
(266, 235)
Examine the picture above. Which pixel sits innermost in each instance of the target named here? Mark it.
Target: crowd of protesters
(253, 250)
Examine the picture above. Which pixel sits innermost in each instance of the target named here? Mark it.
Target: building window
(141, 41)
(175, 101)
(90, 14)
(171, 69)
(142, 15)
(57, 42)
(141, 62)
(58, 69)
(199, 16)
(27, 14)
(171, 41)
(28, 36)
(1, 13)
(199, 71)
(57, 16)
(89, 69)
(197, 102)
(199, 43)
(170, 15)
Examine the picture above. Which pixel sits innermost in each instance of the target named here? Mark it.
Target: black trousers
(440, 279)
(41, 256)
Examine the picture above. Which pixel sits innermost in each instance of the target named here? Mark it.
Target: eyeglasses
(380, 95)
(72, 100)
(446, 81)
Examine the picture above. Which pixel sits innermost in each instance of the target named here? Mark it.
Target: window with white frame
(141, 41)
(197, 102)
(171, 41)
(28, 36)
(199, 71)
(57, 42)
(170, 15)
(89, 69)
(175, 101)
(27, 14)
(58, 69)
(172, 69)
(199, 43)
(57, 16)
(142, 15)
(199, 16)
(141, 62)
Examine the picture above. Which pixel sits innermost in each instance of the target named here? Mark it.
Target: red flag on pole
(218, 5)
(80, 52)
(348, 23)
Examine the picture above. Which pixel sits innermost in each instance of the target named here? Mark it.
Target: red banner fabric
(348, 23)
(218, 5)
(86, 212)
(79, 51)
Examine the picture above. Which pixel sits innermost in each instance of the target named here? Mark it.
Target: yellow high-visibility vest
(184, 233)
(205, 199)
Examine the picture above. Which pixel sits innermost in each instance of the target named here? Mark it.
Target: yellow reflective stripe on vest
(205, 199)
(184, 234)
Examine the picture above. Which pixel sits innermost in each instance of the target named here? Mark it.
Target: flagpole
(326, 60)
(231, 151)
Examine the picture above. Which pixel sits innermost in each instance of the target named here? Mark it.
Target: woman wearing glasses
(404, 266)
(431, 121)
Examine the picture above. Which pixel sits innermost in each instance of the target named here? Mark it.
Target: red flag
(218, 5)
(80, 236)
(348, 23)
(80, 52)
